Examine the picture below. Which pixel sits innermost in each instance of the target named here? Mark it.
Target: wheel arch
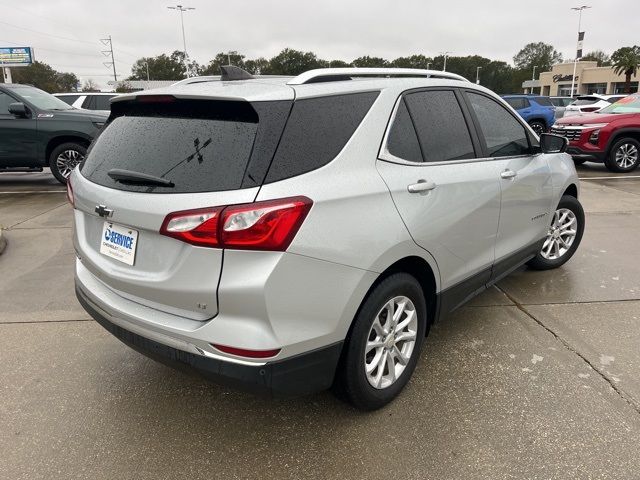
(571, 190)
(60, 139)
(622, 133)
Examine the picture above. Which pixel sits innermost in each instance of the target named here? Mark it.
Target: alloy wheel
(538, 128)
(390, 342)
(626, 155)
(561, 234)
(67, 160)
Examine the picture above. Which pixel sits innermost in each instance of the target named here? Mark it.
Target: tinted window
(516, 103)
(40, 99)
(440, 125)
(586, 101)
(544, 101)
(102, 102)
(403, 141)
(503, 134)
(5, 101)
(317, 130)
(196, 154)
(68, 98)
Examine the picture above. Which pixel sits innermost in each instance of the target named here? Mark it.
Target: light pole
(533, 77)
(575, 62)
(146, 64)
(183, 9)
(428, 65)
(444, 67)
(478, 75)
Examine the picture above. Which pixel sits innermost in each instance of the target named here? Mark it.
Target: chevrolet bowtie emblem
(103, 211)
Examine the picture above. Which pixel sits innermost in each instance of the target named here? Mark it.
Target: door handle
(421, 187)
(508, 174)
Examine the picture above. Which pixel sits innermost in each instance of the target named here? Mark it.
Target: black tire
(579, 161)
(632, 147)
(538, 126)
(540, 262)
(351, 380)
(59, 172)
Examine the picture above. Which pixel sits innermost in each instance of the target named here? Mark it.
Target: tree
(338, 64)
(370, 62)
(292, 62)
(540, 54)
(598, 56)
(625, 62)
(90, 86)
(257, 66)
(161, 67)
(413, 61)
(42, 76)
(222, 58)
(124, 87)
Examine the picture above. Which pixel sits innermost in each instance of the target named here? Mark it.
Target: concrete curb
(3, 242)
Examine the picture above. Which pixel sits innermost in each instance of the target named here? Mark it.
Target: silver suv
(290, 234)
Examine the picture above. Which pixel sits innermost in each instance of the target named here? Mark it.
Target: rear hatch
(199, 153)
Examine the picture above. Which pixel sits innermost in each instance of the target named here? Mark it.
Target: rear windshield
(585, 101)
(199, 146)
(544, 101)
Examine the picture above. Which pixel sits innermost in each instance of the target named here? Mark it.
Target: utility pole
(445, 54)
(183, 9)
(579, 46)
(478, 75)
(108, 43)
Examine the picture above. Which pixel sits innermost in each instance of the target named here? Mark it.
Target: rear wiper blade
(138, 178)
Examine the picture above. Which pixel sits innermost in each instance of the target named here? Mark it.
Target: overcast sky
(333, 29)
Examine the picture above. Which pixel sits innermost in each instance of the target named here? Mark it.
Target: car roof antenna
(230, 72)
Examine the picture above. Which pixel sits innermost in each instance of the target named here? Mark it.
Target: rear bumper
(298, 375)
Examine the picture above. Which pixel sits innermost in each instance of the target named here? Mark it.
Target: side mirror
(550, 143)
(19, 109)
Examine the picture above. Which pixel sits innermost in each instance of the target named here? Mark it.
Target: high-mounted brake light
(70, 193)
(155, 98)
(243, 352)
(269, 225)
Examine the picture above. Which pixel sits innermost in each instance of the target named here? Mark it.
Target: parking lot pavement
(536, 378)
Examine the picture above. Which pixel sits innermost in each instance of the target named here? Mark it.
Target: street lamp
(428, 65)
(445, 54)
(575, 62)
(533, 77)
(478, 75)
(183, 9)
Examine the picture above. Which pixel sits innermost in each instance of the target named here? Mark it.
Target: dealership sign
(564, 78)
(16, 57)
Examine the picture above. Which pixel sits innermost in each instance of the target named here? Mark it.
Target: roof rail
(336, 74)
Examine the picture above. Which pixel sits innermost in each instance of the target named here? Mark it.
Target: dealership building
(589, 79)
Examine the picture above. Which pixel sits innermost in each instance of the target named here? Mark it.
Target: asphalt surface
(536, 379)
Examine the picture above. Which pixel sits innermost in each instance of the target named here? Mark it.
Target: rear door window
(544, 101)
(316, 132)
(403, 140)
(504, 136)
(442, 131)
(68, 98)
(516, 103)
(200, 146)
(102, 102)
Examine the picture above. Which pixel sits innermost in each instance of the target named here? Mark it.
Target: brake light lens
(242, 352)
(590, 109)
(70, 193)
(269, 225)
(155, 98)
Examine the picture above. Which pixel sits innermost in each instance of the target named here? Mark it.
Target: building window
(619, 87)
(565, 90)
(600, 88)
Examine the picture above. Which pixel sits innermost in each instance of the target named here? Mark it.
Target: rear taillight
(70, 193)
(269, 225)
(243, 352)
(589, 109)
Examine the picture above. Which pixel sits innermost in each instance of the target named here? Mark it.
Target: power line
(78, 54)
(48, 34)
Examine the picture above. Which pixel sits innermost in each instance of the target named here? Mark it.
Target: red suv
(610, 135)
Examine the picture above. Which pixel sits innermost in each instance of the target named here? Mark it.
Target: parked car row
(38, 130)
(97, 101)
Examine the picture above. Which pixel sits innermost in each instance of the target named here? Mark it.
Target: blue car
(537, 111)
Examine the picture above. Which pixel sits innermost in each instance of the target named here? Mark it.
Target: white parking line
(610, 178)
(32, 191)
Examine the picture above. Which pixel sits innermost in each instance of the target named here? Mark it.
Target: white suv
(590, 103)
(88, 100)
(290, 234)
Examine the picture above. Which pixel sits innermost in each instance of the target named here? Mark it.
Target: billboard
(16, 56)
